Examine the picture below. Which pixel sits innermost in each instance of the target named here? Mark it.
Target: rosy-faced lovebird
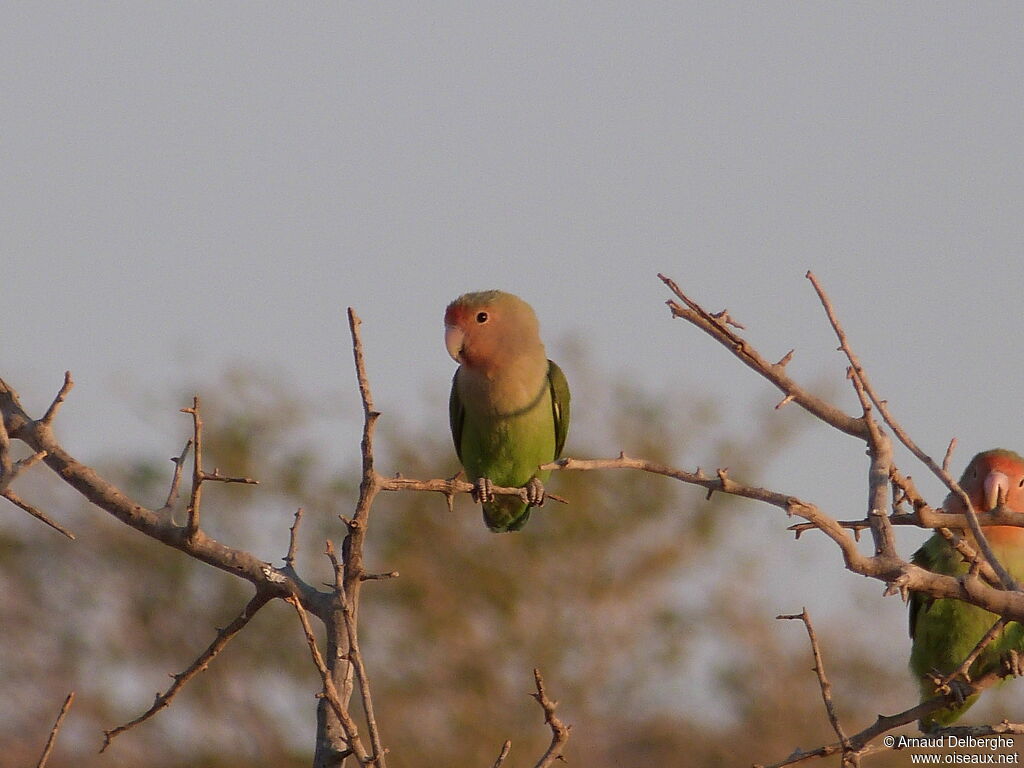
(945, 631)
(509, 405)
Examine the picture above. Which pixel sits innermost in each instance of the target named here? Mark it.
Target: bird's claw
(483, 490)
(534, 492)
(1011, 663)
(958, 689)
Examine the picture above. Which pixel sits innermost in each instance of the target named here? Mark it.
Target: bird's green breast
(947, 630)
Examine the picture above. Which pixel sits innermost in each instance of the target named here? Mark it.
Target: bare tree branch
(17, 501)
(773, 372)
(849, 757)
(503, 754)
(355, 656)
(172, 494)
(199, 665)
(53, 731)
(940, 472)
(58, 401)
(330, 691)
(293, 540)
(559, 730)
(450, 486)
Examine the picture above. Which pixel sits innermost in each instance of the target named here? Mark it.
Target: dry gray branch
(883, 407)
(53, 731)
(849, 756)
(330, 691)
(559, 730)
(163, 700)
(503, 754)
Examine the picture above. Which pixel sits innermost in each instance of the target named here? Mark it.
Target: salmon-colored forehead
(1001, 462)
(467, 305)
(455, 314)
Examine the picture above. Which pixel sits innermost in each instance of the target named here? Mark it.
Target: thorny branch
(987, 584)
(163, 700)
(849, 756)
(559, 730)
(336, 608)
(883, 407)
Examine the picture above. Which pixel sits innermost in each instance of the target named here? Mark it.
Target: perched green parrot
(945, 631)
(509, 405)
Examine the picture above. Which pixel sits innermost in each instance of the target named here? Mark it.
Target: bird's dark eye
(481, 317)
(1021, 483)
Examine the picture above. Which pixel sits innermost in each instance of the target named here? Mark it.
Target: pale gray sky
(186, 185)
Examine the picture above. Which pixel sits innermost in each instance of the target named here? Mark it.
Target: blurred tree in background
(616, 598)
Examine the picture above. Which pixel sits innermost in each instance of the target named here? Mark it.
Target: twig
(192, 525)
(963, 670)
(861, 742)
(504, 753)
(355, 656)
(8, 469)
(198, 475)
(53, 731)
(1004, 576)
(773, 372)
(450, 486)
(947, 460)
(293, 540)
(559, 730)
(172, 493)
(721, 482)
(880, 451)
(199, 665)
(58, 401)
(330, 692)
(12, 497)
(823, 682)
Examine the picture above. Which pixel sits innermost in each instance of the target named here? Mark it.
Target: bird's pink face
(992, 480)
(467, 335)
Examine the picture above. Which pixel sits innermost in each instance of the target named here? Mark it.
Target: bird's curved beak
(997, 486)
(453, 337)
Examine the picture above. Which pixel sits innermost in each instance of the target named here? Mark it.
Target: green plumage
(508, 449)
(944, 630)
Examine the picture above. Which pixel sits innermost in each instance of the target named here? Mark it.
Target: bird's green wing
(456, 415)
(559, 404)
(926, 557)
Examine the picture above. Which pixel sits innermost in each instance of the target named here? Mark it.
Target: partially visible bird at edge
(946, 630)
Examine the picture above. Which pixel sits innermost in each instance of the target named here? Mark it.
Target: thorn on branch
(785, 401)
(217, 476)
(785, 359)
(724, 318)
